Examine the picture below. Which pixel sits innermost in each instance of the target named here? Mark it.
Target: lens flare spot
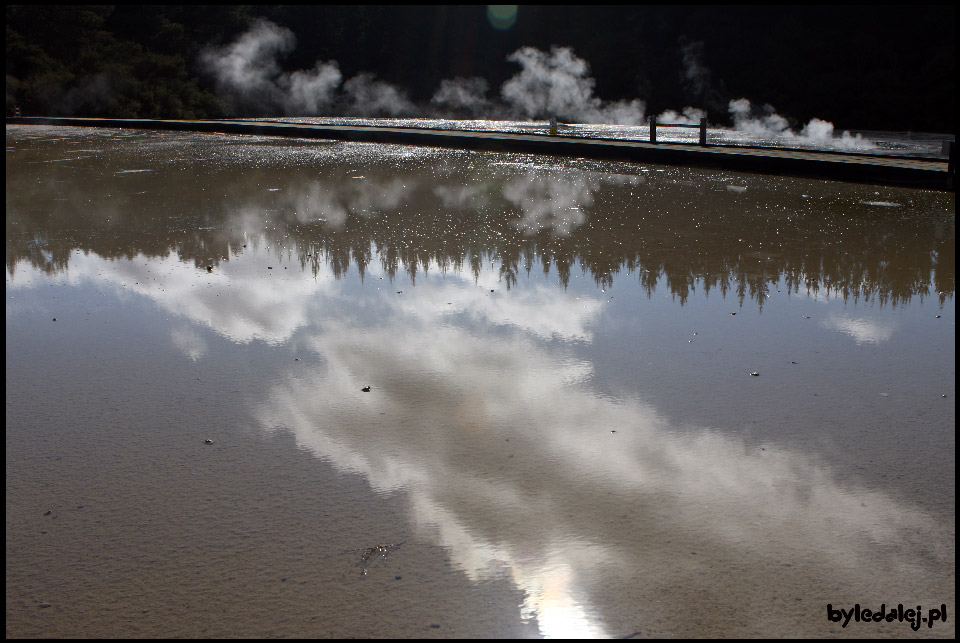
(502, 16)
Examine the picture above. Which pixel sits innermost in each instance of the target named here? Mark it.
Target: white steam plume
(821, 132)
(248, 74)
(556, 84)
(246, 71)
(549, 84)
(368, 96)
(694, 74)
(690, 116)
(310, 92)
(697, 79)
(463, 95)
(767, 124)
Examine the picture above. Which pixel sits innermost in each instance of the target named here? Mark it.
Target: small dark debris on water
(54, 319)
(732, 314)
(365, 389)
(938, 316)
(755, 374)
(208, 441)
(209, 268)
(47, 512)
(806, 316)
(435, 626)
(269, 267)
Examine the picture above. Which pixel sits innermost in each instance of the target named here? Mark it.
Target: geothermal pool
(605, 399)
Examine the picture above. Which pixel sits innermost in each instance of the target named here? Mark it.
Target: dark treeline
(877, 67)
(866, 274)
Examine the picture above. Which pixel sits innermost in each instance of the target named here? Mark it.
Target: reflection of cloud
(189, 342)
(508, 456)
(510, 460)
(245, 300)
(553, 203)
(242, 299)
(865, 331)
(537, 309)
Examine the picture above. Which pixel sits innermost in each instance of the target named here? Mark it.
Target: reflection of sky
(255, 298)
(446, 402)
(864, 331)
(234, 300)
(490, 412)
(509, 455)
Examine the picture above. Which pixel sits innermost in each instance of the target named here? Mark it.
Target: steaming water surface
(904, 144)
(605, 398)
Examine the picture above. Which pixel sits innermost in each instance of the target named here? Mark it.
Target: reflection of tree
(815, 237)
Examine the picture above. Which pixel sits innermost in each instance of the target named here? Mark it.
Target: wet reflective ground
(604, 399)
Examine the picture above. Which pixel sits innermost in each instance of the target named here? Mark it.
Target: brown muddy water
(605, 399)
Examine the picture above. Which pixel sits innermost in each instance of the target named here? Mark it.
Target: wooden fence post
(703, 131)
(951, 168)
(653, 129)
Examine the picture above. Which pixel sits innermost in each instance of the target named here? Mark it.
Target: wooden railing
(654, 125)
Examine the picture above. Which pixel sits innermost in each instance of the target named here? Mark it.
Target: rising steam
(463, 96)
(554, 84)
(765, 123)
(366, 95)
(557, 85)
(248, 75)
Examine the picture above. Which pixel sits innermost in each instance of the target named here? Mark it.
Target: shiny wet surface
(904, 144)
(563, 433)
